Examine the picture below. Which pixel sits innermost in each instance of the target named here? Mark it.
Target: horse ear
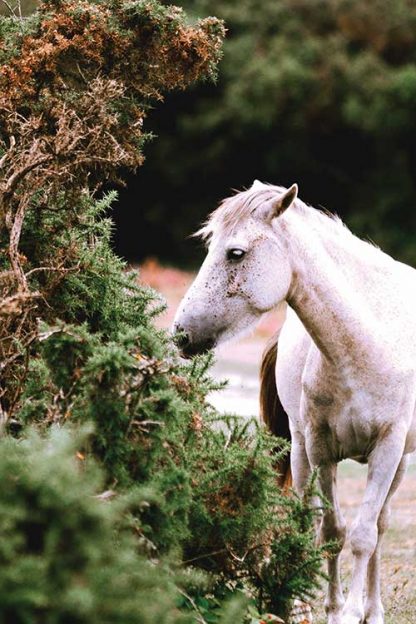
(257, 184)
(282, 203)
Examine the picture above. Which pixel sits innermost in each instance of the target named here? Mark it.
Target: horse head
(246, 271)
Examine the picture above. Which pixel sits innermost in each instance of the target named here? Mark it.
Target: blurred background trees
(319, 92)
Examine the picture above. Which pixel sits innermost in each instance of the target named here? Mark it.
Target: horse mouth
(197, 348)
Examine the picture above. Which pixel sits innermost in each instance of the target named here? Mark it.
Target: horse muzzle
(189, 346)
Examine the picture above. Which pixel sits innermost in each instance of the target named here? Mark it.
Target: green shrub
(66, 554)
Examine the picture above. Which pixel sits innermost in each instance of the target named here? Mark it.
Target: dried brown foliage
(75, 83)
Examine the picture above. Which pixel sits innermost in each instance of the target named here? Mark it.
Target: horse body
(356, 307)
(330, 401)
(346, 368)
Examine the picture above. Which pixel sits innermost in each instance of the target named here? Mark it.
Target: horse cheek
(268, 291)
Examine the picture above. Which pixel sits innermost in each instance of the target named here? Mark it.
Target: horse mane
(243, 204)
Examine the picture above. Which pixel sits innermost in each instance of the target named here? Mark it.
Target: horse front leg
(301, 472)
(382, 467)
(374, 612)
(333, 527)
(299, 463)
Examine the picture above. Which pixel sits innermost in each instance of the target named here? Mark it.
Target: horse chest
(339, 422)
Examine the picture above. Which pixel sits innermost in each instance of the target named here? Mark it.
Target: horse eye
(235, 254)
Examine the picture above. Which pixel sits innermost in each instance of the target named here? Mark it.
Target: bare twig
(8, 152)
(19, 9)
(17, 354)
(107, 495)
(45, 335)
(15, 233)
(9, 7)
(20, 174)
(222, 551)
(52, 270)
(12, 305)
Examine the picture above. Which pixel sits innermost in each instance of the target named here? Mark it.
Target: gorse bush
(66, 555)
(76, 80)
(203, 522)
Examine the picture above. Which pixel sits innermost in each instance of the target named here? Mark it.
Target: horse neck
(331, 284)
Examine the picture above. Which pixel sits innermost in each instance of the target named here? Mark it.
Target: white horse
(346, 371)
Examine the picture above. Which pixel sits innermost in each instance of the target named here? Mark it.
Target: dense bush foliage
(203, 520)
(66, 554)
(320, 92)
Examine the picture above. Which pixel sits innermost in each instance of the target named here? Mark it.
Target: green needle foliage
(205, 522)
(66, 555)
